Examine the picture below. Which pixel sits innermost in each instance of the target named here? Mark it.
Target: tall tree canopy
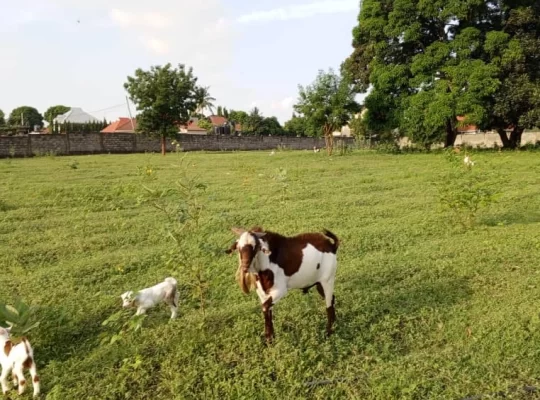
(430, 62)
(165, 97)
(204, 100)
(297, 126)
(54, 111)
(2, 118)
(327, 105)
(26, 115)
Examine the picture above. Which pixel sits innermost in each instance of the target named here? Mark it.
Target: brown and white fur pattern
(273, 264)
(147, 298)
(16, 358)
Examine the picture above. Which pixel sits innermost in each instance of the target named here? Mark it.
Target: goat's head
(127, 299)
(248, 245)
(4, 333)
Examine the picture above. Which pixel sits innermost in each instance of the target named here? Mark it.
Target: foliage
(75, 127)
(254, 123)
(271, 126)
(415, 299)
(28, 115)
(465, 190)
(204, 100)
(20, 316)
(183, 208)
(54, 111)
(327, 105)
(122, 323)
(2, 118)
(165, 98)
(239, 117)
(473, 59)
(205, 124)
(297, 126)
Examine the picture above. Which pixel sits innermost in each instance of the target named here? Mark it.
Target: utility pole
(130, 116)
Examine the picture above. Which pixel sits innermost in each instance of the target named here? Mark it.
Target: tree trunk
(328, 139)
(515, 137)
(451, 133)
(163, 145)
(504, 138)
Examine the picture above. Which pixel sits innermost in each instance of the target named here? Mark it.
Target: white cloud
(156, 45)
(132, 19)
(300, 11)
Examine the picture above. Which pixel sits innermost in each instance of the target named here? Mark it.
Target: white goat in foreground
(149, 297)
(16, 358)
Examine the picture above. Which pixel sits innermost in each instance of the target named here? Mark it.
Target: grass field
(425, 309)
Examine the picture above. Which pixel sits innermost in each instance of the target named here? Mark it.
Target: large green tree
(297, 126)
(515, 50)
(254, 122)
(327, 105)
(165, 97)
(430, 62)
(27, 116)
(2, 118)
(54, 111)
(271, 126)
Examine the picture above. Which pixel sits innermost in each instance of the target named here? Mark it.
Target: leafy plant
(19, 316)
(183, 207)
(465, 190)
(122, 323)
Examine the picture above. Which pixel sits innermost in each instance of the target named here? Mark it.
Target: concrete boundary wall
(118, 143)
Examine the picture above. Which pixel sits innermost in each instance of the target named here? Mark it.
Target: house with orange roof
(123, 125)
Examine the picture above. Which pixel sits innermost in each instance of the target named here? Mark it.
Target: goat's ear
(238, 231)
(232, 248)
(260, 234)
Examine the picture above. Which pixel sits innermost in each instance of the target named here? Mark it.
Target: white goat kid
(147, 298)
(16, 358)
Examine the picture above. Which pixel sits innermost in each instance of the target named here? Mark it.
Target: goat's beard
(246, 280)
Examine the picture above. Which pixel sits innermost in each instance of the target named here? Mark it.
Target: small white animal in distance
(16, 358)
(315, 149)
(468, 162)
(145, 299)
(272, 152)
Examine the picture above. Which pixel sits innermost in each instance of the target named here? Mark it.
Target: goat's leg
(174, 311)
(268, 324)
(6, 369)
(140, 311)
(328, 290)
(19, 371)
(35, 378)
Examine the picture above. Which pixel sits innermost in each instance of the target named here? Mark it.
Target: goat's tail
(172, 281)
(27, 347)
(333, 237)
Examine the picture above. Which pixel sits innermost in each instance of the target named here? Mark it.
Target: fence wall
(99, 143)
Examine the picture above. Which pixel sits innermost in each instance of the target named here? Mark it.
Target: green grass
(425, 310)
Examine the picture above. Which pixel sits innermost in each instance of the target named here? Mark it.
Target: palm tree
(204, 100)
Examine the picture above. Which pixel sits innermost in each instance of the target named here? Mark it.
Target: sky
(250, 53)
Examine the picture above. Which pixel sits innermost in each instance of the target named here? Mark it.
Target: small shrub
(74, 164)
(343, 148)
(465, 190)
(388, 148)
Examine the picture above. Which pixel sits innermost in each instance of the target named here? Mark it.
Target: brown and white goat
(272, 264)
(16, 358)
